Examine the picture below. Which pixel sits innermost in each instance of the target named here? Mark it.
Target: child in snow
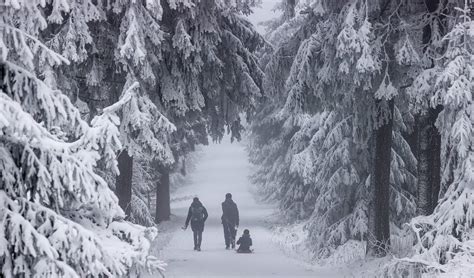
(245, 242)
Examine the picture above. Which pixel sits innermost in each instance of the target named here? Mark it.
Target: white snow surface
(225, 168)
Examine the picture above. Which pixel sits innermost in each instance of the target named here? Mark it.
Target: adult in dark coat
(245, 241)
(230, 220)
(197, 215)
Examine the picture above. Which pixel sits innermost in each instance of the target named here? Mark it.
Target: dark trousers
(229, 233)
(198, 228)
(197, 238)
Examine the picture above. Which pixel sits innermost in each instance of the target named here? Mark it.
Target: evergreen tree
(428, 148)
(338, 128)
(338, 93)
(443, 237)
(133, 30)
(56, 210)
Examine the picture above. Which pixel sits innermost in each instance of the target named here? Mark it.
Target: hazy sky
(263, 13)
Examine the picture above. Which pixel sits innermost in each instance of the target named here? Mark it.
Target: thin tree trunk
(429, 162)
(123, 185)
(290, 9)
(382, 159)
(424, 187)
(183, 168)
(412, 138)
(163, 199)
(148, 199)
(429, 145)
(435, 160)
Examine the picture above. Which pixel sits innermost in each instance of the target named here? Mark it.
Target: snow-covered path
(225, 168)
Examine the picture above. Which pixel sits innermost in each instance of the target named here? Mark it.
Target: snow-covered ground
(225, 168)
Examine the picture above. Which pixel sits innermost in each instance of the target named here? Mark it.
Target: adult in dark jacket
(197, 214)
(230, 220)
(245, 241)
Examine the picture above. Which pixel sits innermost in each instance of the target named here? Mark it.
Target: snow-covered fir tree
(209, 70)
(332, 78)
(133, 30)
(56, 210)
(444, 238)
(329, 134)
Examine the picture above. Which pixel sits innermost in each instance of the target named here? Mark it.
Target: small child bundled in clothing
(245, 242)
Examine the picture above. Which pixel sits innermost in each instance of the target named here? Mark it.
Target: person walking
(197, 215)
(230, 220)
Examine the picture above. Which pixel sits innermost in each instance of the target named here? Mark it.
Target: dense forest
(365, 134)
(91, 87)
(360, 123)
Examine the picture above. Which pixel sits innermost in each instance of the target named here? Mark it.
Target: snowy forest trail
(225, 168)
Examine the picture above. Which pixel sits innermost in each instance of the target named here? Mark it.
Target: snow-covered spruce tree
(56, 211)
(270, 133)
(146, 130)
(101, 73)
(324, 135)
(444, 238)
(425, 37)
(209, 64)
(143, 192)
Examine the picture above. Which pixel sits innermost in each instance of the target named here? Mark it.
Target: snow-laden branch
(126, 97)
(58, 58)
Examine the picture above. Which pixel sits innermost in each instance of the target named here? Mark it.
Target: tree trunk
(290, 9)
(424, 187)
(435, 161)
(429, 162)
(163, 199)
(382, 159)
(123, 185)
(148, 199)
(429, 146)
(183, 167)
